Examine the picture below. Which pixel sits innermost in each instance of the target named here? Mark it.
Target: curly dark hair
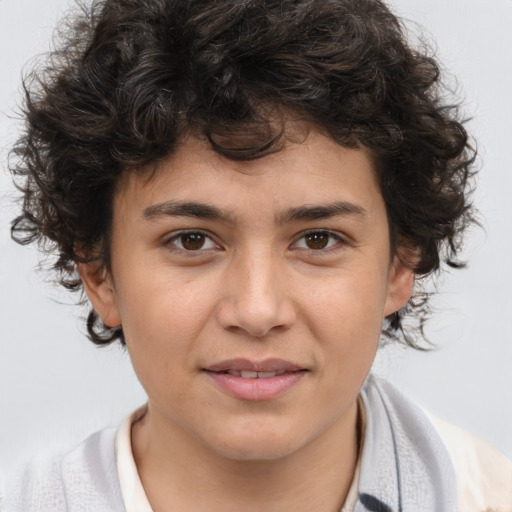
(130, 78)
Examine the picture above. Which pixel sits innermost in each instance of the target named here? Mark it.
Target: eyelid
(171, 237)
(341, 240)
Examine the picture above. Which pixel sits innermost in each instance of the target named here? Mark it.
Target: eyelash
(171, 241)
(338, 241)
(335, 242)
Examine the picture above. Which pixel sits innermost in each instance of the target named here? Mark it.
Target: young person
(247, 192)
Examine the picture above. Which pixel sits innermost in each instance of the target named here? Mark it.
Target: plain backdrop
(54, 384)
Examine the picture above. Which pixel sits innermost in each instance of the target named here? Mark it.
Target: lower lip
(256, 389)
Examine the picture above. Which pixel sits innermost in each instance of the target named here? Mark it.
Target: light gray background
(54, 384)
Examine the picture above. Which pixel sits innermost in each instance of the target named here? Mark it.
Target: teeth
(248, 375)
(266, 375)
(256, 375)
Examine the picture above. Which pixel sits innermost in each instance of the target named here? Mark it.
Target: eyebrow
(318, 212)
(210, 212)
(187, 209)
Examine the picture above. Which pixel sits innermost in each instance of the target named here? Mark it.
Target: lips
(247, 374)
(255, 381)
(246, 365)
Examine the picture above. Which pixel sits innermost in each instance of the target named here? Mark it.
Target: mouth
(249, 369)
(255, 381)
(248, 374)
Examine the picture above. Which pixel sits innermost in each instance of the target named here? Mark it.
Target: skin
(257, 289)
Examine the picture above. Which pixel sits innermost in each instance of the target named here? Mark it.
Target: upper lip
(268, 365)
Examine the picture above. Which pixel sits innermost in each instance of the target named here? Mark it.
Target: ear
(99, 288)
(400, 284)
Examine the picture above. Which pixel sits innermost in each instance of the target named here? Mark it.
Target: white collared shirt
(484, 475)
(134, 496)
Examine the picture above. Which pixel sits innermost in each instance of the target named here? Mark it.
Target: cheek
(345, 315)
(160, 297)
(162, 333)
(352, 302)
(163, 319)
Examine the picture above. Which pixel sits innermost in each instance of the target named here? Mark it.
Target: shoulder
(484, 475)
(79, 479)
(33, 484)
(480, 476)
(404, 461)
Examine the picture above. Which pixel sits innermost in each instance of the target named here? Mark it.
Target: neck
(178, 473)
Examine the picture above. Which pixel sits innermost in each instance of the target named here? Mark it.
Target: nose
(256, 299)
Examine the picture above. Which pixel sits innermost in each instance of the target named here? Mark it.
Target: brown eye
(318, 240)
(189, 241)
(192, 241)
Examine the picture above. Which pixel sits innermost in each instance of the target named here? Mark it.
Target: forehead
(313, 171)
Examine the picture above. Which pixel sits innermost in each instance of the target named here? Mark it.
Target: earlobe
(99, 288)
(400, 285)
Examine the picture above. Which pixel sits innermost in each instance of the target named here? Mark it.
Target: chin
(257, 444)
(255, 452)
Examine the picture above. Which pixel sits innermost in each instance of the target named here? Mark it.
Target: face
(252, 294)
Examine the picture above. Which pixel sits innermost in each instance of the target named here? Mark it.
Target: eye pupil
(317, 240)
(192, 241)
